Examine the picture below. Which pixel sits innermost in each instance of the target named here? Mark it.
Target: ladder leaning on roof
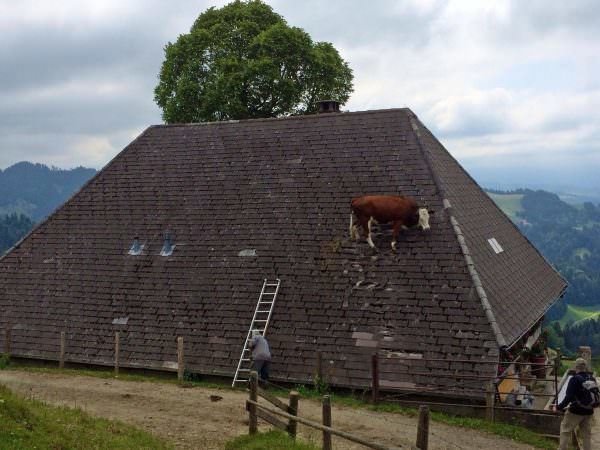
(260, 322)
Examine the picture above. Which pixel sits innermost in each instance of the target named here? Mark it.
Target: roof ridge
(272, 119)
(513, 225)
(483, 298)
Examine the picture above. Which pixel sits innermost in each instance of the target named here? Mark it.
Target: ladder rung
(269, 293)
(240, 379)
(257, 312)
(271, 284)
(265, 303)
(246, 359)
(259, 320)
(243, 370)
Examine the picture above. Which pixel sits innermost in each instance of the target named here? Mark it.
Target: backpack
(591, 394)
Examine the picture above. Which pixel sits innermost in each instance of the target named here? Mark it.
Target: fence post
(180, 359)
(557, 364)
(61, 358)
(293, 410)
(423, 428)
(320, 366)
(253, 421)
(375, 376)
(7, 341)
(490, 399)
(117, 348)
(326, 422)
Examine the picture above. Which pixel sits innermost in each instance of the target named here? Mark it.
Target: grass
(576, 314)
(516, 433)
(519, 434)
(272, 440)
(569, 363)
(123, 375)
(510, 204)
(30, 424)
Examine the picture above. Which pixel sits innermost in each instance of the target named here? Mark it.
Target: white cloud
(504, 81)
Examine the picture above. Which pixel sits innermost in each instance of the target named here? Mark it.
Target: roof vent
(120, 320)
(328, 106)
(168, 246)
(136, 247)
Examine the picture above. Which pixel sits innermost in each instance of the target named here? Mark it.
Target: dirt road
(190, 420)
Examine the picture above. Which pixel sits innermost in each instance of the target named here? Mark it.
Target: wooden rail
(256, 410)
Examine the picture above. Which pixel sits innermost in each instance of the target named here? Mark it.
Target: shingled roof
(243, 201)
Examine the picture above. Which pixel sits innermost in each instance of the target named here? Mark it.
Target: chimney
(328, 106)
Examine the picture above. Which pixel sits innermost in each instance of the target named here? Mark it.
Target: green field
(509, 203)
(576, 314)
(29, 424)
(582, 253)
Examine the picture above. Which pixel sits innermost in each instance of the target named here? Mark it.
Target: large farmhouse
(176, 234)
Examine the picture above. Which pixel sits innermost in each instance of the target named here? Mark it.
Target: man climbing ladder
(261, 355)
(258, 327)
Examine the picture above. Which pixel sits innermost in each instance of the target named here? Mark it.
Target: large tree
(244, 61)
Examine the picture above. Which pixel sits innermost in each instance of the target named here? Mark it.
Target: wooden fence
(540, 420)
(117, 350)
(258, 410)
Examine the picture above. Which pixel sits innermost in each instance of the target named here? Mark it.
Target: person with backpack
(581, 398)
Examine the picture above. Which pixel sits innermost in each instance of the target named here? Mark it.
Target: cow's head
(423, 219)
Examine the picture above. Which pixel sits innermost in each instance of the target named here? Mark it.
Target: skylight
(495, 245)
(168, 246)
(136, 248)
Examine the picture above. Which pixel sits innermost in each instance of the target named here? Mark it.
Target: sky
(511, 88)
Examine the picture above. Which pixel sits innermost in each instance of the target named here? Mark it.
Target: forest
(569, 237)
(12, 228)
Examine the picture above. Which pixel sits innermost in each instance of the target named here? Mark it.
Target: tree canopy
(244, 61)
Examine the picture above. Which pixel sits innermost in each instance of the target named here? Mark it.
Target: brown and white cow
(401, 211)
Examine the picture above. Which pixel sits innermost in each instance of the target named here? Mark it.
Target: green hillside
(36, 190)
(577, 314)
(509, 203)
(569, 237)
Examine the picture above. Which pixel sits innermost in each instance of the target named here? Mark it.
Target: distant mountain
(36, 190)
(573, 182)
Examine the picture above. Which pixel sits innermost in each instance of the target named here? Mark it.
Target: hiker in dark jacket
(261, 355)
(576, 415)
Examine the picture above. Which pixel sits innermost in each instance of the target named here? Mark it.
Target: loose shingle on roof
(244, 201)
